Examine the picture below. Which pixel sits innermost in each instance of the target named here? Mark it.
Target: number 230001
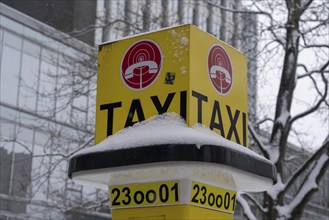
(212, 197)
(145, 194)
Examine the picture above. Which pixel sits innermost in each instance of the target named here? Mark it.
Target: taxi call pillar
(189, 72)
(180, 181)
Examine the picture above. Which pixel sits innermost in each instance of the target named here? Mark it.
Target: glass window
(5, 170)
(12, 40)
(7, 129)
(22, 171)
(18, 164)
(25, 137)
(65, 62)
(40, 171)
(29, 78)
(46, 91)
(11, 25)
(9, 75)
(41, 139)
(1, 35)
(32, 34)
(57, 179)
(31, 48)
(49, 56)
(64, 96)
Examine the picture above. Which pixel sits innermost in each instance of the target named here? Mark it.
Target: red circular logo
(141, 65)
(220, 69)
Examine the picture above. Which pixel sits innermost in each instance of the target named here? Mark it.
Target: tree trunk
(147, 15)
(107, 18)
(128, 17)
(282, 125)
(164, 20)
(236, 25)
(180, 11)
(210, 19)
(223, 23)
(196, 13)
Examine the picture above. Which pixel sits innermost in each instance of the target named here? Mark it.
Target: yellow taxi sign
(180, 69)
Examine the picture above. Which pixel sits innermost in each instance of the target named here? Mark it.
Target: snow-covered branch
(275, 191)
(308, 187)
(255, 202)
(322, 150)
(246, 208)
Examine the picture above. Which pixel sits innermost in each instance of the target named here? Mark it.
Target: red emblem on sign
(220, 69)
(141, 64)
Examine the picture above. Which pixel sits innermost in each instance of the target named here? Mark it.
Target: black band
(170, 153)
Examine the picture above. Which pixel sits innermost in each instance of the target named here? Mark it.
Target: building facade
(74, 17)
(39, 130)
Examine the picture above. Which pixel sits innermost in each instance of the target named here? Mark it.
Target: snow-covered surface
(168, 128)
(183, 70)
(184, 41)
(143, 33)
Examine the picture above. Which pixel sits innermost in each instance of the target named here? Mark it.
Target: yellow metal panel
(116, 99)
(175, 212)
(227, 112)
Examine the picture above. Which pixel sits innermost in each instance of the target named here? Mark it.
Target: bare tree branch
(264, 120)
(258, 141)
(248, 213)
(255, 202)
(315, 107)
(259, 12)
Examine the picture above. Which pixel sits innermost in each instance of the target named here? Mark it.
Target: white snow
(184, 41)
(276, 189)
(273, 152)
(284, 112)
(283, 119)
(183, 70)
(168, 128)
(173, 33)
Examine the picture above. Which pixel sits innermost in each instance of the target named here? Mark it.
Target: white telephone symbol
(216, 68)
(153, 68)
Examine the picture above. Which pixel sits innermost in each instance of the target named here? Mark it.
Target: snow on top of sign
(146, 33)
(168, 128)
(184, 41)
(183, 70)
